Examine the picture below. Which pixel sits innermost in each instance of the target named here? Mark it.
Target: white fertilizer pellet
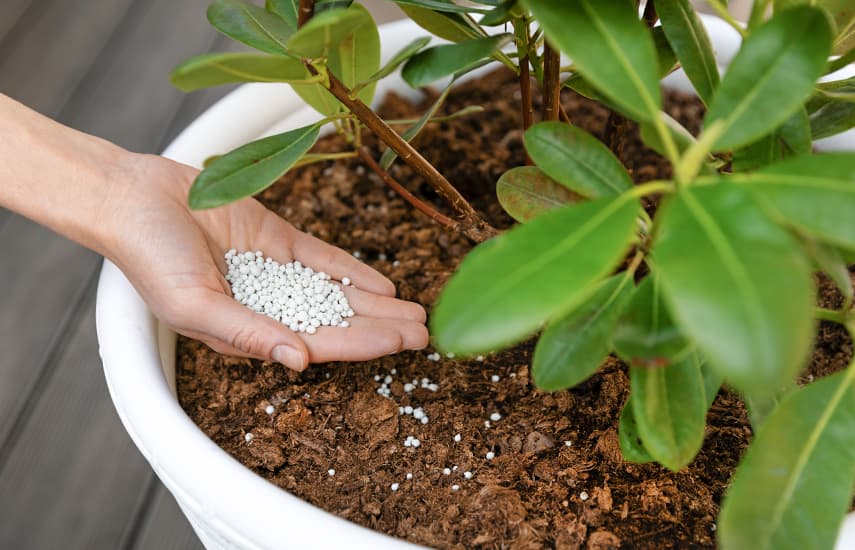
(490, 455)
(495, 378)
(583, 495)
(331, 472)
(293, 294)
(446, 471)
(457, 438)
(455, 487)
(467, 474)
(495, 417)
(248, 437)
(394, 487)
(409, 475)
(269, 409)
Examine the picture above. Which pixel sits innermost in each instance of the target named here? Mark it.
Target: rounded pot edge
(228, 505)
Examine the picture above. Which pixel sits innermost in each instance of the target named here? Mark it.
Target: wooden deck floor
(70, 476)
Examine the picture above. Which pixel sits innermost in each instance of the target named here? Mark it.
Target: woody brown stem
(471, 223)
(525, 94)
(420, 205)
(305, 11)
(551, 82)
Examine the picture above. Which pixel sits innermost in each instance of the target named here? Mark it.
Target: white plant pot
(228, 505)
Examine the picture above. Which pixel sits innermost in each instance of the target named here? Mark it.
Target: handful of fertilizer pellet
(291, 293)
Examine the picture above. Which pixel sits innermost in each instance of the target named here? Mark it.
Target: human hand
(174, 257)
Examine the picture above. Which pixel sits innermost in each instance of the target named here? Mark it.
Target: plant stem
(722, 12)
(830, 315)
(551, 82)
(311, 158)
(841, 61)
(420, 205)
(758, 11)
(305, 12)
(521, 31)
(650, 15)
(563, 114)
(651, 187)
(471, 223)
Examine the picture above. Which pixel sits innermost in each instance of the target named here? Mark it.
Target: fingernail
(289, 357)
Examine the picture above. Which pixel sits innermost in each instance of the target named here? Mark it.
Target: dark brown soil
(558, 479)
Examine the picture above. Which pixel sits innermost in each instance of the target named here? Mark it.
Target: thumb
(249, 333)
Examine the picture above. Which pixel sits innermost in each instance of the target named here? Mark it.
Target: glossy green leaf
(440, 6)
(645, 335)
(397, 60)
(665, 55)
(440, 61)
(453, 27)
(781, 59)
(507, 287)
(499, 15)
(669, 406)
(737, 285)
(576, 159)
(526, 192)
(286, 9)
(795, 482)
(792, 138)
(251, 25)
(410, 133)
(325, 31)
(631, 445)
(223, 68)
(815, 193)
(250, 168)
(573, 347)
(690, 42)
(353, 60)
(841, 11)
(610, 46)
(832, 108)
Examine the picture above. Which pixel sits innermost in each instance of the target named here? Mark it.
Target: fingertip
(291, 357)
(421, 338)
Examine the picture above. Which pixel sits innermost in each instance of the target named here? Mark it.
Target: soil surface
(557, 479)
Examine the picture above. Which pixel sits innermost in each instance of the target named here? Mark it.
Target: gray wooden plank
(127, 97)
(41, 287)
(165, 527)
(73, 476)
(11, 12)
(45, 56)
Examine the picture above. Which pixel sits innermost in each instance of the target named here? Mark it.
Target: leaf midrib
(262, 28)
(711, 82)
(628, 67)
(730, 261)
(535, 265)
(261, 161)
(802, 460)
(549, 144)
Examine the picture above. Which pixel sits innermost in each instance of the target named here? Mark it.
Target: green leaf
(737, 285)
(645, 335)
(499, 15)
(453, 27)
(286, 9)
(214, 69)
(795, 482)
(353, 60)
(792, 138)
(832, 108)
(667, 58)
(526, 192)
(404, 54)
(325, 31)
(815, 193)
(389, 156)
(781, 59)
(631, 445)
(250, 168)
(574, 346)
(437, 62)
(507, 287)
(251, 25)
(691, 43)
(576, 159)
(669, 409)
(841, 11)
(440, 6)
(610, 46)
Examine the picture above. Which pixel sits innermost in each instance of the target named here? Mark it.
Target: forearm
(59, 177)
